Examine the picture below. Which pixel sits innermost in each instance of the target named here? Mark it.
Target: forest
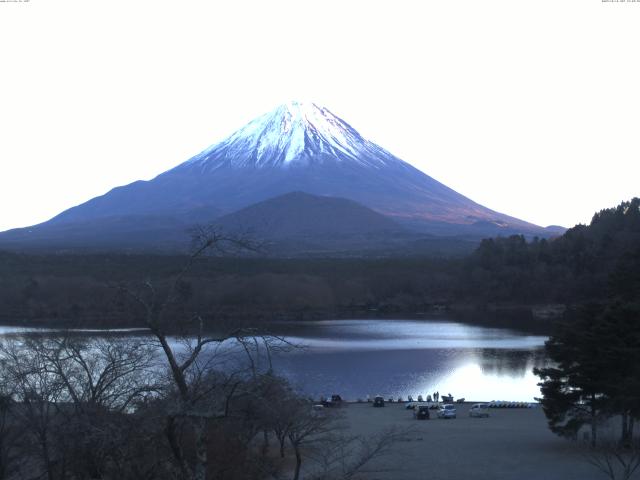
(106, 407)
(504, 274)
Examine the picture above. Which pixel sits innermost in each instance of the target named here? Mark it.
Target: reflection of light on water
(471, 383)
(415, 343)
(402, 357)
(404, 335)
(396, 358)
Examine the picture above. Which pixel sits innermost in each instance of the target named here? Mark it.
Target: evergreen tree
(619, 333)
(574, 388)
(596, 370)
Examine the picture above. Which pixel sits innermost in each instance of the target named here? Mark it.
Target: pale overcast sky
(531, 108)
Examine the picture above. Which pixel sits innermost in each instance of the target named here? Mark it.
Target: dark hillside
(79, 289)
(575, 267)
(588, 263)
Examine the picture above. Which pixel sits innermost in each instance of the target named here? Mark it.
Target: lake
(397, 358)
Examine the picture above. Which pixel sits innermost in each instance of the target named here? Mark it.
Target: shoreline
(531, 319)
(510, 444)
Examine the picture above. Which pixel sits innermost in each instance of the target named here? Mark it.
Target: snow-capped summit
(297, 147)
(295, 133)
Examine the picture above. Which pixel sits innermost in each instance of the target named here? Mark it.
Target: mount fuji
(297, 147)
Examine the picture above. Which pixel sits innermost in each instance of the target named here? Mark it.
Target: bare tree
(10, 436)
(71, 393)
(98, 372)
(308, 428)
(615, 460)
(200, 395)
(321, 437)
(347, 457)
(37, 394)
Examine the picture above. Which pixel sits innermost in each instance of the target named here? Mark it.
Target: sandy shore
(510, 444)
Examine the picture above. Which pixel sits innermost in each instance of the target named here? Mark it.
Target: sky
(531, 108)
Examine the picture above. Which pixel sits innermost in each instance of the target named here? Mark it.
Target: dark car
(421, 412)
(334, 401)
(378, 401)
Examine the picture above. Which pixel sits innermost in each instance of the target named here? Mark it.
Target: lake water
(397, 358)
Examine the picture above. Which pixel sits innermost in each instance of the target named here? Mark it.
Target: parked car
(447, 411)
(479, 410)
(410, 405)
(421, 412)
(378, 401)
(326, 402)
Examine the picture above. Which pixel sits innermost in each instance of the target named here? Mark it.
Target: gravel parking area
(510, 444)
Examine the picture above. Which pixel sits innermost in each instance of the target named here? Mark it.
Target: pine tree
(596, 370)
(574, 389)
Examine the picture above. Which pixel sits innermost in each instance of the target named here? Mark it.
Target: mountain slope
(295, 148)
(136, 233)
(299, 214)
(298, 222)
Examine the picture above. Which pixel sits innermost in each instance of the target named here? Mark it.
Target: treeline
(576, 267)
(511, 271)
(75, 290)
(593, 377)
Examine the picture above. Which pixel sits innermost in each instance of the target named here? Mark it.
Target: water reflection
(517, 363)
(402, 334)
(394, 358)
(6, 331)
(400, 358)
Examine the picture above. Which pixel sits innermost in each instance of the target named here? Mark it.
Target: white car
(479, 410)
(447, 411)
